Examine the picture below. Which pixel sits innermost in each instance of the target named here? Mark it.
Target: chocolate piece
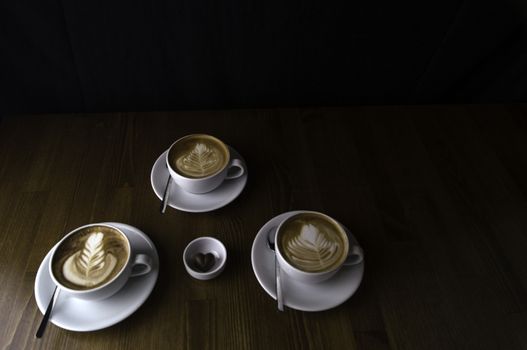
(203, 262)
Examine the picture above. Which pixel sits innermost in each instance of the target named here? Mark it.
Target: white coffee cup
(231, 169)
(350, 255)
(135, 265)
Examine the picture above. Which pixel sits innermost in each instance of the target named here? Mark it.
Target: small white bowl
(205, 245)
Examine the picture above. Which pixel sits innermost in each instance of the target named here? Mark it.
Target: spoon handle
(279, 296)
(164, 202)
(44, 322)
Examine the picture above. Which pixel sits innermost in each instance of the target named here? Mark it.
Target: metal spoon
(45, 319)
(270, 245)
(164, 202)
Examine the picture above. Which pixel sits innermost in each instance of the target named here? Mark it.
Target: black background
(93, 56)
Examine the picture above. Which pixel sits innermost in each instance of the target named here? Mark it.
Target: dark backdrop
(116, 55)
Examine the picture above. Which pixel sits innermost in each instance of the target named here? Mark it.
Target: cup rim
(315, 273)
(173, 171)
(85, 291)
(204, 238)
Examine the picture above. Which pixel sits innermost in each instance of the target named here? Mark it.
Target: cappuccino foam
(198, 156)
(312, 243)
(90, 258)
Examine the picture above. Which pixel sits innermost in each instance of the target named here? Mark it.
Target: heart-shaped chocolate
(203, 262)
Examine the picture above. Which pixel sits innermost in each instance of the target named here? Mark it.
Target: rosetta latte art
(312, 250)
(91, 265)
(202, 160)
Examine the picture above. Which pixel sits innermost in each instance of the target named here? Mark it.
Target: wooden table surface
(436, 195)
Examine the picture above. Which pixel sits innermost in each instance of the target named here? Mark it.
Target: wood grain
(436, 195)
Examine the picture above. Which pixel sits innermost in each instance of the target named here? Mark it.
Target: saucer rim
(240, 179)
(272, 294)
(147, 289)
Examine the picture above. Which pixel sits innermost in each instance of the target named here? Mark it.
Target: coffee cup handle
(236, 169)
(141, 266)
(355, 256)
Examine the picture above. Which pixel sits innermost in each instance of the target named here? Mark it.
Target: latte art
(197, 156)
(311, 243)
(91, 265)
(90, 257)
(312, 250)
(202, 160)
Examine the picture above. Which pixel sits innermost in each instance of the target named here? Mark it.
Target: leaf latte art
(312, 243)
(201, 160)
(91, 258)
(91, 265)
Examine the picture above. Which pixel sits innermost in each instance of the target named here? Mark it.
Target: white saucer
(195, 203)
(298, 295)
(82, 316)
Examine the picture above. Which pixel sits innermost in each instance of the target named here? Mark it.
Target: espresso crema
(90, 258)
(312, 243)
(197, 156)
